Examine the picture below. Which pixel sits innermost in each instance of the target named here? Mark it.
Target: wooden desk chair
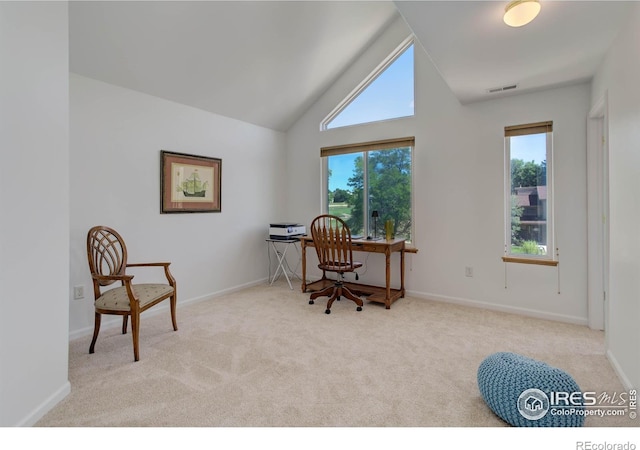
(332, 241)
(107, 255)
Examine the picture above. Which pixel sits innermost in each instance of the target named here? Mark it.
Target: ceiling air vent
(501, 89)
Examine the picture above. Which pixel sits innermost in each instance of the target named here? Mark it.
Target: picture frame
(189, 183)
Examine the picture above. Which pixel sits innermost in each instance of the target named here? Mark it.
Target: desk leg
(402, 273)
(387, 257)
(303, 248)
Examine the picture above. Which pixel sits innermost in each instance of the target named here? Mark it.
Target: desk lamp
(374, 214)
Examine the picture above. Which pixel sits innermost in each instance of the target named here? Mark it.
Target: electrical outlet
(468, 271)
(78, 292)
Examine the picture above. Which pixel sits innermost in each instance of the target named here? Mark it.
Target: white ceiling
(261, 62)
(266, 62)
(475, 51)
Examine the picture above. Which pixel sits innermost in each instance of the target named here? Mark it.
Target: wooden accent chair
(332, 241)
(107, 255)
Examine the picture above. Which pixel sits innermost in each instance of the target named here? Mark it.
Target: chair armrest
(155, 264)
(167, 273)
(105, 280)
(123, 278)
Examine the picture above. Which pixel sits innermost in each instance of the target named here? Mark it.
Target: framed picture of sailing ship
(189, 183)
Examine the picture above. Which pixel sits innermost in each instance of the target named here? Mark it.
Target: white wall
(116, 139)
(458, 188)
(34, 223)
(618, 76)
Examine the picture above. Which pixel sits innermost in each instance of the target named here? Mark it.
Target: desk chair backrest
(332, 241)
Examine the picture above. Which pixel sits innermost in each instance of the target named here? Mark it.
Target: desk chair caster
(328, 311)
(311, 302)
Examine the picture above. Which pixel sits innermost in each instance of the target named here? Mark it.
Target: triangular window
(385, 94)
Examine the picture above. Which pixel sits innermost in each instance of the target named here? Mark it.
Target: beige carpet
(264, 357)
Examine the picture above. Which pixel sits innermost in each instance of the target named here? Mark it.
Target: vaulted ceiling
(266, 62)
(261, 62)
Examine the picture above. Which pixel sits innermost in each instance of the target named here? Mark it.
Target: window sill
(539, 262)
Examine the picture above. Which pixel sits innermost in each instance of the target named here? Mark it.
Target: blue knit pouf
(528, 393)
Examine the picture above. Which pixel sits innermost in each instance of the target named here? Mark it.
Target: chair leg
(125, 323)
(173, 312)
(322, 293)
(135, 331)
(341, 290)
(336, 295)
(96, 330)
(351, 296)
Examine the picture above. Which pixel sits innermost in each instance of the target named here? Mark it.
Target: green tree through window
(374, 180)
(389, 191)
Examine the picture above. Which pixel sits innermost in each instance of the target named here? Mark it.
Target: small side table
(280, 247)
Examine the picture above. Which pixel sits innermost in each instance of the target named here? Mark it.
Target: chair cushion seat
(340, 266)
(117, 299)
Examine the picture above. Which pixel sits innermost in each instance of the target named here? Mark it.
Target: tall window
(528, 190)
(387, 93)
(369, 184)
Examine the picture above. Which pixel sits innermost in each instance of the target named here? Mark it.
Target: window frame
(362, 148)
(364, 84)
(519, 130)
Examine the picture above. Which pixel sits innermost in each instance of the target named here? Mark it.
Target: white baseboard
(46, 406)
(618, 370)
(501, 308)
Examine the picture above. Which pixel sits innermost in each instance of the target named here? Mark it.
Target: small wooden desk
(385, 294)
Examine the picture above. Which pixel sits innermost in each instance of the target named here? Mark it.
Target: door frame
(598, 214)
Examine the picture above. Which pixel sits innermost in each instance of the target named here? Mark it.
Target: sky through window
(388, 96)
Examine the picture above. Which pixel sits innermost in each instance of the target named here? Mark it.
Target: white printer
(286, 230)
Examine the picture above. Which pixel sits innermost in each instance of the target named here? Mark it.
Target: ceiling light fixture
(521, 12)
